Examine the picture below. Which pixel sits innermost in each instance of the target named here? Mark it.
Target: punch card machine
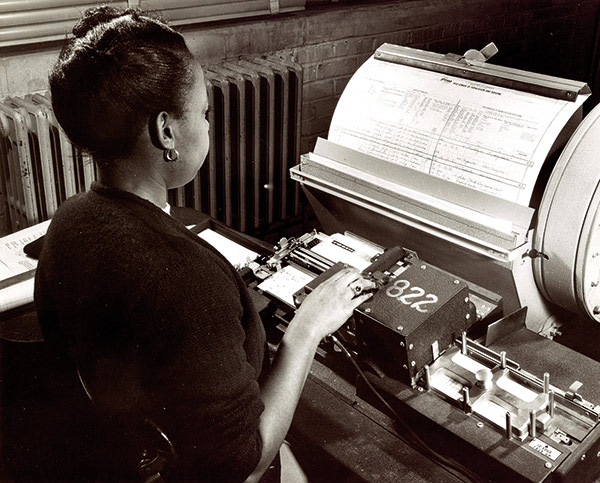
(470, 194)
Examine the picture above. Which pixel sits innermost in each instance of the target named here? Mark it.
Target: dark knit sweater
(158, 323)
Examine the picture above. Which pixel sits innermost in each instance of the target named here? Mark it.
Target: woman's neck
(135, 177)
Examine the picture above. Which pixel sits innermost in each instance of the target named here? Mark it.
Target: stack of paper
(17, 270)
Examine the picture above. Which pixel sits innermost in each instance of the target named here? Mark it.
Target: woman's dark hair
(122, 68)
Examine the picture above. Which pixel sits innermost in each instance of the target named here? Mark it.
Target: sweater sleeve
(193, 349)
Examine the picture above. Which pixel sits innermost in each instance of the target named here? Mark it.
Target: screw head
(400, 327)
(367, 310)
(582, 457)
(548, 465)
(413, 363)
(423, 267)
(410, 347)
(480, 424)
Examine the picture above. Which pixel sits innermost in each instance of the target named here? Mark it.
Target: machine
(470, 194)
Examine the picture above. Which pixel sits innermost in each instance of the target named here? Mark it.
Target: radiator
(39, 168)
(254, 134)
(255, 138)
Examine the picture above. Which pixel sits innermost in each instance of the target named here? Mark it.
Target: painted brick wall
(557, 37)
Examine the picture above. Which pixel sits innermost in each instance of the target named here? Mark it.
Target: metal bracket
(533, 253)
(274, 6)
(474, 57)
(572, 393)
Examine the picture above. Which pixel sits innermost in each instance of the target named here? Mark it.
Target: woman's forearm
(321, 313)
(282, 389)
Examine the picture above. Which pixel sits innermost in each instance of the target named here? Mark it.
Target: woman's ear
(161, 131)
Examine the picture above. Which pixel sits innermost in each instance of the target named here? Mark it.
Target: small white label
(544, 448)
(435, 349)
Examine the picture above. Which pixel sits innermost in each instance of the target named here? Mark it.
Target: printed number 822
(398, 289)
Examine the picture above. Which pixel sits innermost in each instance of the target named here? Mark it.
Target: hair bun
(95, 16)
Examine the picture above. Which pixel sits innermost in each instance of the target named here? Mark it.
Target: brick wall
(556, 38)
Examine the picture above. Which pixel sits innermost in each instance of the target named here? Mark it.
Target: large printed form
(492, 139)
(17, 270)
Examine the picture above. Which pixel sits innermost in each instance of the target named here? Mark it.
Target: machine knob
(484, 378)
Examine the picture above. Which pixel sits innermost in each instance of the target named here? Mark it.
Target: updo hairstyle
(122, 68)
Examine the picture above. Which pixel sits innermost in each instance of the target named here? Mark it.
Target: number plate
(413, 297)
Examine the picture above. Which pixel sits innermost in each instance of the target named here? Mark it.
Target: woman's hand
(322, 313)
(331, 304)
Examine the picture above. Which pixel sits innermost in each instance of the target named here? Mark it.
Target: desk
(339, 437)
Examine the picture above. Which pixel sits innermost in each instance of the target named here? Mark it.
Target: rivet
(401, 344)
(400, 327)
(413, 363)
(480, 424)
(468, 316)
(456, 282)
(423, 267)
(405, 366)
(466, 300)
(548, 465)
(582, 457)
(420, 389)
(367, 310)
(410, 347)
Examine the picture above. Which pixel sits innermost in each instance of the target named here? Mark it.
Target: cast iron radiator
(254, 134)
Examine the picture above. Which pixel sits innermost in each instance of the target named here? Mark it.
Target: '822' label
(414, 296)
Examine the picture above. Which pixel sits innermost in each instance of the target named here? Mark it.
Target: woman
(157, 322)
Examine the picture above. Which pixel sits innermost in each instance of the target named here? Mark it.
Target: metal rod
(532, 423)
(466, 400)
(508, 425)
(427, 377)
(546, 382)
(551, 404)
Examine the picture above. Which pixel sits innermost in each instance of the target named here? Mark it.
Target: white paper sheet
(485, 137)
(13, 261)
(238, 255)
(284, 283)
(17, 295)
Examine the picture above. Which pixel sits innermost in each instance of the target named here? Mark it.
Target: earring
(170, 155)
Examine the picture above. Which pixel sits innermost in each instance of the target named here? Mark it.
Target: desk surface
(339, 437)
